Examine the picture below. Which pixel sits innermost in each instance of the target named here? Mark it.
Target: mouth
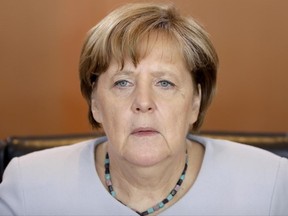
(144, 131)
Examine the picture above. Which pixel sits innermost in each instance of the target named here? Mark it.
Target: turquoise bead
(107, 176)
(150, 210)
(161, 205)
(170, 197)
(182, 177)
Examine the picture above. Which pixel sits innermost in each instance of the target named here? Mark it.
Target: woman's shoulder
(52, 180)
(245, 173)
(242, 161)
(235, 151)
(62, 152)
(56, 153)
(57, 159)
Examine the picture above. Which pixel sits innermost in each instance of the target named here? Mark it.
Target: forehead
(161, 43)
(158, 45)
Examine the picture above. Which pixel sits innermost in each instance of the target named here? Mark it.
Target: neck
(142, 187)
(161, 176)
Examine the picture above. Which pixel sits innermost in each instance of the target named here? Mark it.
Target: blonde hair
(118, 35)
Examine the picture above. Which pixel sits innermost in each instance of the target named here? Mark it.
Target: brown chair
(2, 153)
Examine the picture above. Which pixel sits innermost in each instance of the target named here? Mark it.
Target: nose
(143, 100)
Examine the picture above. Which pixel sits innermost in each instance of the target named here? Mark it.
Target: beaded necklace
(158, 205)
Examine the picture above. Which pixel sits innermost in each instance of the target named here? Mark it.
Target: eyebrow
(123, 72)
(164, 73)
(154, 73)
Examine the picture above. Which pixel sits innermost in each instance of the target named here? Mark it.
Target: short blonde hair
(119, 33)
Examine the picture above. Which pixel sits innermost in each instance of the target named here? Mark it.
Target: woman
(148, 75)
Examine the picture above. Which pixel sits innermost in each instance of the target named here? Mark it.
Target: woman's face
(146, 110)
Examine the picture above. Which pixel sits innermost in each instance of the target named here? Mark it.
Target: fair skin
(146, 111)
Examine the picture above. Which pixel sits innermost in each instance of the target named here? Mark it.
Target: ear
(96, 112)
(197, 96)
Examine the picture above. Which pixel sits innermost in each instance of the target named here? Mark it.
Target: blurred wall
(41, 41)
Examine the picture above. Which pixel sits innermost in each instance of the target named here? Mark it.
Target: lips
(144, 131)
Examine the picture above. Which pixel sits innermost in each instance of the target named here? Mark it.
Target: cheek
(116, 124)
(179, 115)
(115, 116)
(174, 116)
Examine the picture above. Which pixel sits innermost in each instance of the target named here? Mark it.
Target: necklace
(158, 205)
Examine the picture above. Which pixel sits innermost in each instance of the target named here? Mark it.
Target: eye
(165, 84)
(122, 84)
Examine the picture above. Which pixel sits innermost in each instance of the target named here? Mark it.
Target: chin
(145, 159)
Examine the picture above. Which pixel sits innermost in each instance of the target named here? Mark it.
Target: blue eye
(122, 83)
(166, 84)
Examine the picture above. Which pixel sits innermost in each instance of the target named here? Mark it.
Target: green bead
(150, 210)
(107, 176)
(170, 197)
